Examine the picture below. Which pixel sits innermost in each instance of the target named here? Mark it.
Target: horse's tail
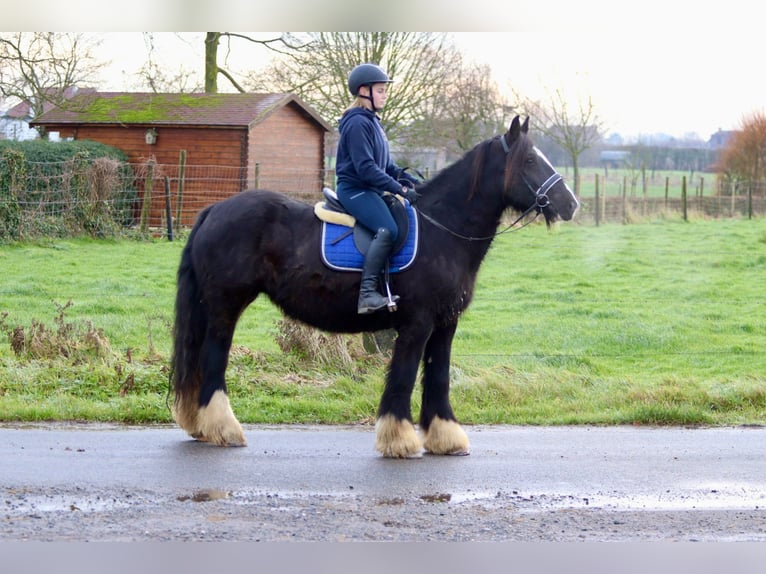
(188, 335)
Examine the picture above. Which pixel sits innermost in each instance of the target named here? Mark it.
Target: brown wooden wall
(288, 149)
(287, 146)
(204, 146)
(207, 148)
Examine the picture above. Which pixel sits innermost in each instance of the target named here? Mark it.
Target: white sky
(639, 84)
(671, 66)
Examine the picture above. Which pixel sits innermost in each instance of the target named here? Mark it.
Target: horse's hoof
(235, 442)
(397, 438)
(217, 423)
(446, 437)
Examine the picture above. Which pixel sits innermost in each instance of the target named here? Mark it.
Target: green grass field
(612, 182)
(653, 323)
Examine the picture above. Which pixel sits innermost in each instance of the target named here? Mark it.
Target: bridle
(541, 202)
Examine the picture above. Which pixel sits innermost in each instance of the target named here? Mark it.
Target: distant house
(15, 122)
(720, 139)
(614, 158)
(272, 141)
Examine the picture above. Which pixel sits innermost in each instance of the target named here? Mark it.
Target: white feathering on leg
(446, 437)
(217, 423)
(397, 438)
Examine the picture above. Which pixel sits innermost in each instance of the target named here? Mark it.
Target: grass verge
(654, 323)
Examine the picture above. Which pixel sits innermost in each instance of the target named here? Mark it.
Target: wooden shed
(230, 142)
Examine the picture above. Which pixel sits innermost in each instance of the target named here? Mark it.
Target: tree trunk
(211, 62)
(576, 175)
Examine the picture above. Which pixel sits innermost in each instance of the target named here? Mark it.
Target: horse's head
(531, 182)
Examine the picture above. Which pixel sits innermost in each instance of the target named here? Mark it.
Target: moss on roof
(230, 110)
(140, 108)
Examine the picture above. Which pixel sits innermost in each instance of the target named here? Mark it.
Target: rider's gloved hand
(410, 195)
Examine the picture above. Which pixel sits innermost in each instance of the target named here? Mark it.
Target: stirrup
(391, 300)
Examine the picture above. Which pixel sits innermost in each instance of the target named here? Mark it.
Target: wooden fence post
(146, 207)
(624, 199)
(645, 190)
(683, 198)
(181, 179)
(598, 203)
(168, 213)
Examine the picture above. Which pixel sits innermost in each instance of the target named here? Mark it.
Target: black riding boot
(370, 299)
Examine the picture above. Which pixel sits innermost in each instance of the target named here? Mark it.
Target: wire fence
(103, 196)
(624, 196)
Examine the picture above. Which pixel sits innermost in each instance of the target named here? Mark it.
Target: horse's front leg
(395, 434)
(443, 434)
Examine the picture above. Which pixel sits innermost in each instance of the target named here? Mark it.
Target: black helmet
(364, 75)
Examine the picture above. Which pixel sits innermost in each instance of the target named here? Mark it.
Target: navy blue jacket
(363, 159)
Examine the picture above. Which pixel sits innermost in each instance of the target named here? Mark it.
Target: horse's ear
(525, 125)
(515, 129)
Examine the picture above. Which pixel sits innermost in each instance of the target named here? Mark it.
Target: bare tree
(574, 127)
(214, 67)
(421, 64)
(160, 80)
(41, 68)
(744, 158)
(469, 110)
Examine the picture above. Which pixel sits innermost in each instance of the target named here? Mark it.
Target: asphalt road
(91, 482)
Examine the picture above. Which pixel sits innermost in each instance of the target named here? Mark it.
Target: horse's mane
(477, 159)
(478, 166)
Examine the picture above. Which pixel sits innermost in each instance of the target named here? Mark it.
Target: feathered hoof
(217, 424)
(397, 438)
(446, 437)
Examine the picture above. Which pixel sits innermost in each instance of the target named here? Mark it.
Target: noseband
(541, 193)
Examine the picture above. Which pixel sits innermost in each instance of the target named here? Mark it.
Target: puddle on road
(714, 499)
(32, 504)
(702, 500)
(731, 497)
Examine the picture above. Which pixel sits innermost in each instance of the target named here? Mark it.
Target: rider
(365, 171)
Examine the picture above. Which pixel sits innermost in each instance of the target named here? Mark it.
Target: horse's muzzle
(564, 203)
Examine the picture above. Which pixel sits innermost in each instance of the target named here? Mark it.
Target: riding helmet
(365, 75)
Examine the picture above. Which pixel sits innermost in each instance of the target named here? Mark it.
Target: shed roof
(23, 110)
(126, 108)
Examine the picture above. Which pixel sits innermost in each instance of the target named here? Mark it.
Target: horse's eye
(530, 159)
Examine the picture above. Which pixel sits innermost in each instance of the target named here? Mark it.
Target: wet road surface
(93, 482)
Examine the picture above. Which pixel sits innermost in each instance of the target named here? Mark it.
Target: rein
(468, 238)
(541, 202)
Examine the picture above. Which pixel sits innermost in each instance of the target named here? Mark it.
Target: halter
(541, 202)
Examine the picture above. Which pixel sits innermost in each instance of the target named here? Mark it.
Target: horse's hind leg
(443, 434)
(216, 422)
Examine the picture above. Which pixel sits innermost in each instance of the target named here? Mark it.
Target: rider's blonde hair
(358, 102)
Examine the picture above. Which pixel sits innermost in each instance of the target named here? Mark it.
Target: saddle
(344, 242)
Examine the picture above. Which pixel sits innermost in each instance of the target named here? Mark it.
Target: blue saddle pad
(339, 251)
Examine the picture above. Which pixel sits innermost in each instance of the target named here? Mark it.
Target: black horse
(265, 242)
